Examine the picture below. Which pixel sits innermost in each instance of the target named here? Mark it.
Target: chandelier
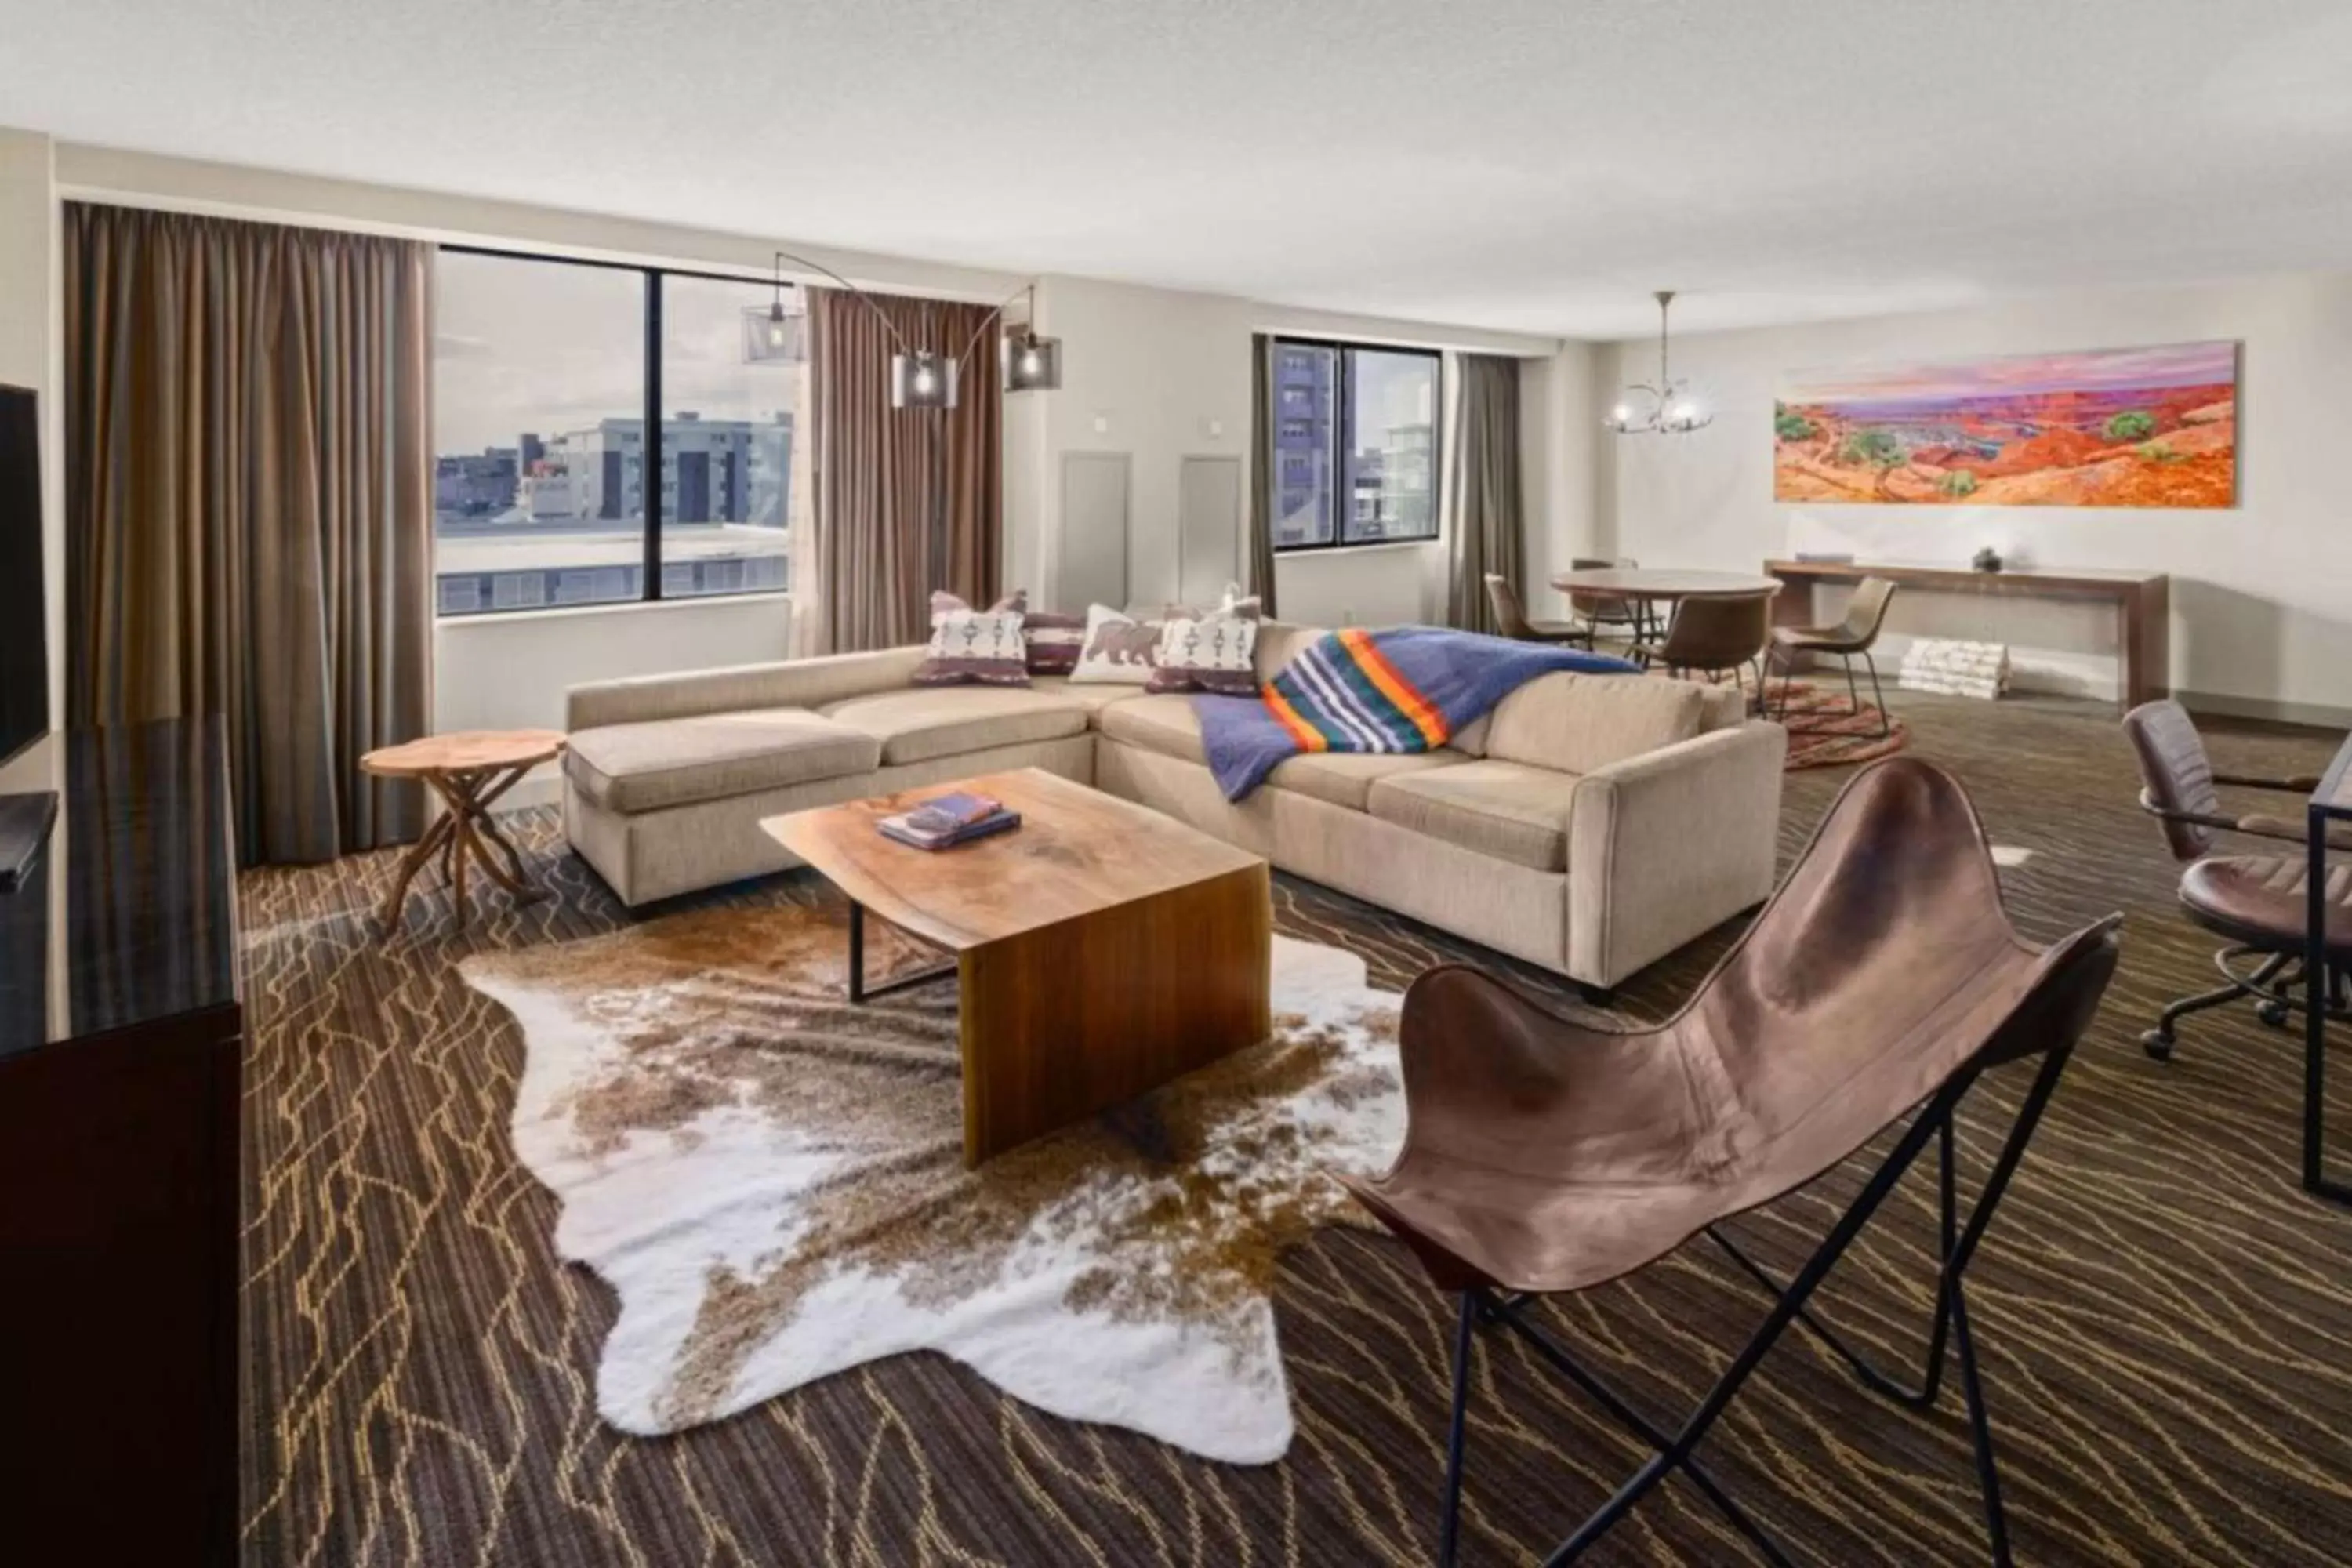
(1663, 407)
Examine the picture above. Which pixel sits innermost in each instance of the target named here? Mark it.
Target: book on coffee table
(949, 820)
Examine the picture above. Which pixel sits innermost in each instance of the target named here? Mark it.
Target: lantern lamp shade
(922, 380)
(773, 336)
(1032, 363)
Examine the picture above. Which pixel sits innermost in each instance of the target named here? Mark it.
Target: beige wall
(30, 307)
(1560, 449)
(1153, 372)
(2261, 595)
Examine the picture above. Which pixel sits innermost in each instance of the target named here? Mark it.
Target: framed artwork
(2128, 427)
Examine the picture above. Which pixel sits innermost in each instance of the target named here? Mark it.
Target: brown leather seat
(2260, 900)
(1542, 1154)
(1511, 617)
(2255, 902)
(1711, 635)
(1630, 616)
(1853, 638)
(1548, 1155)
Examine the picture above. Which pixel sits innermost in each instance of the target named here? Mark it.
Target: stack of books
(950, 820)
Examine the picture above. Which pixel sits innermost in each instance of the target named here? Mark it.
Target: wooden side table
(469, 771)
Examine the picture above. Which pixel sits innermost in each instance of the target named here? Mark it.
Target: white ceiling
(1529, 164)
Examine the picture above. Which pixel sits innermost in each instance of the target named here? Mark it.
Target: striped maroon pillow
(1055, 642)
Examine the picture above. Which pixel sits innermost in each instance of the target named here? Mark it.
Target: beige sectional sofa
(1590, 824)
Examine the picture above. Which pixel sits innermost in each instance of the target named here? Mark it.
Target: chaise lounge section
(1589, 823)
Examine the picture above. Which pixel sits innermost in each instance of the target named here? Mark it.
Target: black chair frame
(1674, 1450)
(1853, 689)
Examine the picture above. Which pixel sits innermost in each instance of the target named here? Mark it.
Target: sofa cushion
(1578, 723)
(923, 723)
(1093, 699)
(1721, 707)
(1163, 723)
(712, 756)
(1279, 642)
(1509, 810)
(1346, 778)
(1471, 739)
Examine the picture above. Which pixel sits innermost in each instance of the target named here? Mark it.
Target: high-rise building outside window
(1355, 457)
(542, 496)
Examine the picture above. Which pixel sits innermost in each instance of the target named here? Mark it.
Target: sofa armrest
(1664, 846)
(791, 683)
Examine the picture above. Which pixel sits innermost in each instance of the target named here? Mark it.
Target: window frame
(1342, 420)
(649, 576)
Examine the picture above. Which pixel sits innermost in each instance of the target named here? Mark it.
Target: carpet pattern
(773, 1180)
(2165, 1320)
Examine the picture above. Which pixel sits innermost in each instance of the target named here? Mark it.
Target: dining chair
(1511, 617)
(1866, 618)
(1630, 616)
(1711, 635)
(2256, 903)
(1878, 987)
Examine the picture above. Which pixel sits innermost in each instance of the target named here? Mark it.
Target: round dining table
(1649, 583)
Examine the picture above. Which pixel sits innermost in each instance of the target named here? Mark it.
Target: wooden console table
(2142, 601)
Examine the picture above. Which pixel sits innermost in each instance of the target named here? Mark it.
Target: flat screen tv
(24, 642)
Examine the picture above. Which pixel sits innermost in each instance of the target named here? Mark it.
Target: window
(1355, 445)
(543, 375)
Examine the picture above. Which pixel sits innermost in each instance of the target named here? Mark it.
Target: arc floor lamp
(920, 377)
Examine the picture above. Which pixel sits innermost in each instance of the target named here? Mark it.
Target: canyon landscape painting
(2127, 428)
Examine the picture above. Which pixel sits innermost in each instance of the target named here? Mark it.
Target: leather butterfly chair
(1511, 617)
(1714, 634)
(1866, 618)
(2257, 902)
(1880, 983)
(1630, 616)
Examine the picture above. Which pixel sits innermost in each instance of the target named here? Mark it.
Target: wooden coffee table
(1102, 949)
(469, 771)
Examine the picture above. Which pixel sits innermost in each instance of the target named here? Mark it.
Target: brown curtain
(250, 507)
(1261, 494)
(1487, 508)
(882, 544)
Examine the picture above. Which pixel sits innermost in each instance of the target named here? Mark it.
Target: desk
(2330, 803)
(2142, 601)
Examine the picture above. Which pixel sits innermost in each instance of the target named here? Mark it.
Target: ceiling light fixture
(1664, 407)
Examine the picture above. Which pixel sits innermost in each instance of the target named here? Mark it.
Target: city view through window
(1355, 445)
(539, 376)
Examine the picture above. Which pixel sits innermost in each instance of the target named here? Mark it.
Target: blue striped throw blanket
(1407, 689)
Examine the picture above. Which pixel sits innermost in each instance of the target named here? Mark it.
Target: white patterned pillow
(1215, 651)
(1119, 649)
(980, 647)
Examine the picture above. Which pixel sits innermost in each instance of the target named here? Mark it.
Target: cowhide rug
(773, 1182)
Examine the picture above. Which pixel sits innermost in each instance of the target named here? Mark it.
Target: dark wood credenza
(120, 1081)
(2142, 602)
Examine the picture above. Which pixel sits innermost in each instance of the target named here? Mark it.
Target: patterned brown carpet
(2167, 1320)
